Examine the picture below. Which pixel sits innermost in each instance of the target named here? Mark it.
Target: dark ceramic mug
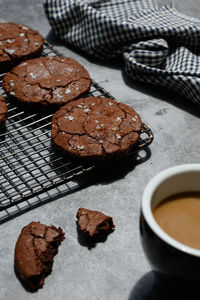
(164, 253)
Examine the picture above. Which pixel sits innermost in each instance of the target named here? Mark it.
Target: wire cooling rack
(29, 165)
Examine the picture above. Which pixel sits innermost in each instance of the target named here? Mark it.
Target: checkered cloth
(160, 46)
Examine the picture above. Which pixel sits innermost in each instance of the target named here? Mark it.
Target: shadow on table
(114, 63)
(36, 201)
(161, 93)
(156, 286)
(88, 242)
(116, 170)
(104, 175)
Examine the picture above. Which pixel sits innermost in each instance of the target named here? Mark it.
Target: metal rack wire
(29, 165)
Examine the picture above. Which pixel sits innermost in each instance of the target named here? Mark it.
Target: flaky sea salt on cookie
(18, 42)
(95, 128)
(47, 80)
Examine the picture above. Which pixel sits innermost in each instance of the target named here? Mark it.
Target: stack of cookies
(83, 127)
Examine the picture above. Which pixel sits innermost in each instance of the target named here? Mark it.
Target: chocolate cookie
(3, 110)
(47, 80)
(34, 253)
(93, 223)
(95, 128)
(18, 42)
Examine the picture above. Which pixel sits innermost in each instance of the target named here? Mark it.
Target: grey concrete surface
(116, 269)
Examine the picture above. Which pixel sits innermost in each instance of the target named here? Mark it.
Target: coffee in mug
(179, 216)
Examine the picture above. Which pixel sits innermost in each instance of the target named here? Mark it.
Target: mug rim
(146, 205)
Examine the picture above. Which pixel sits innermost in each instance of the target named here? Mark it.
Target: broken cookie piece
(94, 223)
(34, 253)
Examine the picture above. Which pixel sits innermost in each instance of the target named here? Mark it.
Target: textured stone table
(116, 269)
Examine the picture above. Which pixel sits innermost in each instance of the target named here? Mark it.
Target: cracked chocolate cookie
(94, 223)
(95, 128)
(3, 110)
(18, 42)
(47, 80)
(34, 253)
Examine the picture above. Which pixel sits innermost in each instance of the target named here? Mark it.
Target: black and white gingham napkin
(160, 45)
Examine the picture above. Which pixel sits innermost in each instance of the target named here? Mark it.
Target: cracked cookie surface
(47, 80)
(94, 223)
(3, 109)
(34, 253)
(18, 42)
(95, 128)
